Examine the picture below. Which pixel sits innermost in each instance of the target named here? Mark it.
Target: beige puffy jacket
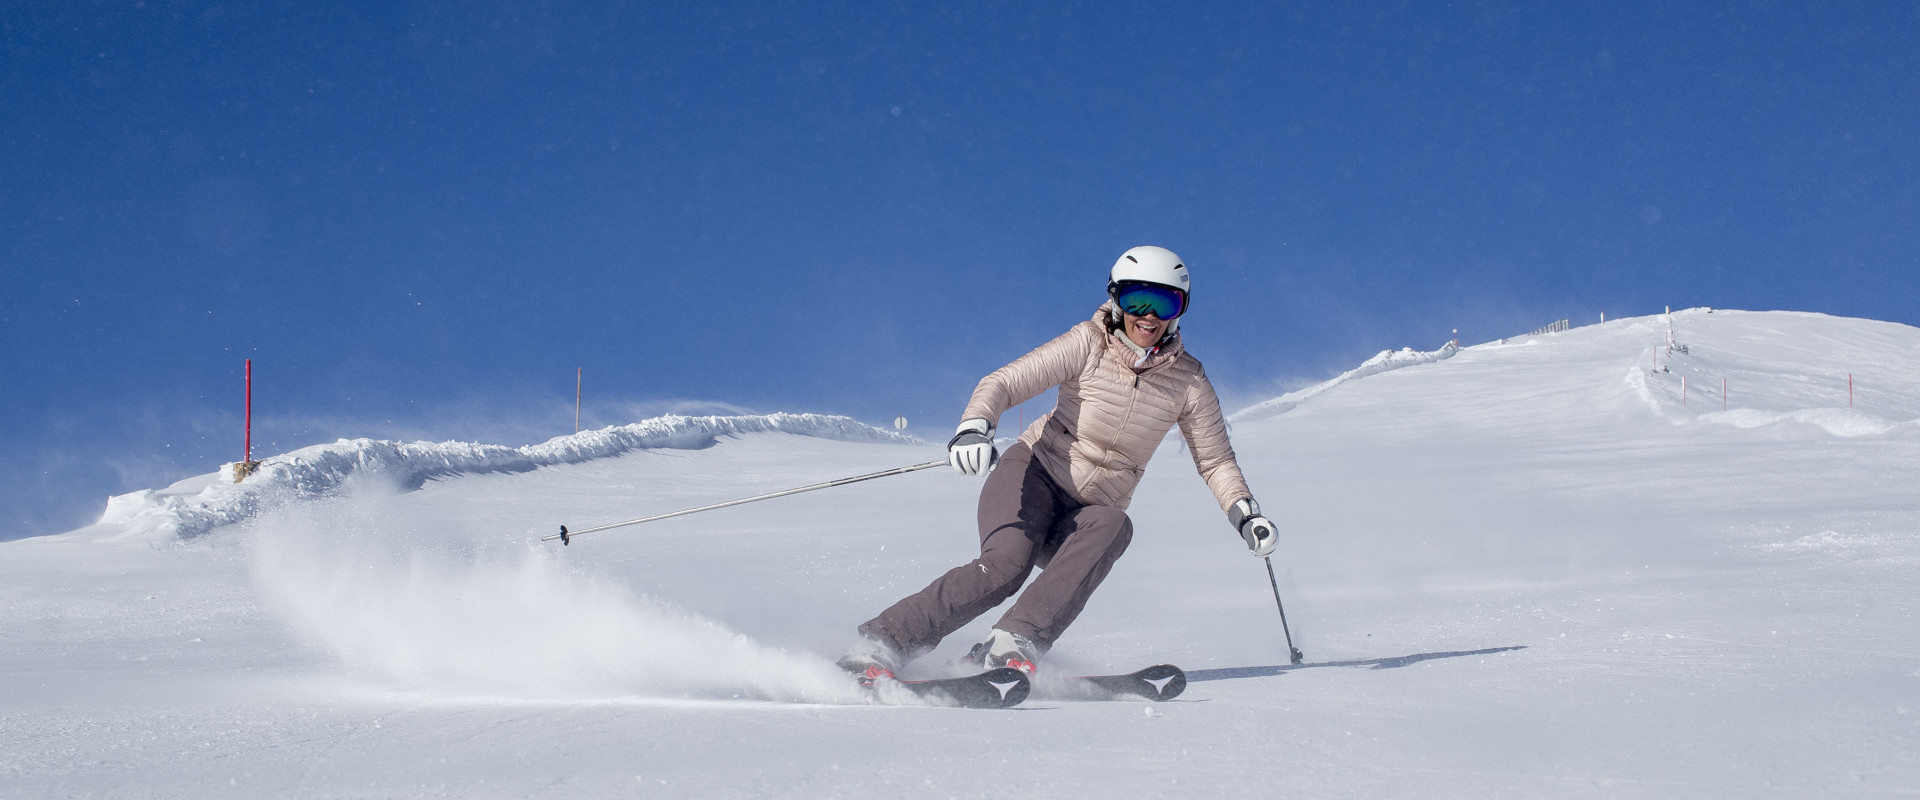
(1111, 415)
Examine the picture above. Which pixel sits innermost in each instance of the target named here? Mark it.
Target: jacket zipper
(1133, 401)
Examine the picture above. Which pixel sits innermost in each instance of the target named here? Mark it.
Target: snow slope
(1529, 569)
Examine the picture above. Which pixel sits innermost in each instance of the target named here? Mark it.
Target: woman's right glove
(1258, 531)
(971, 450)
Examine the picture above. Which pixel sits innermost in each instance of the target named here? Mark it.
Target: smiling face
(1144, 331)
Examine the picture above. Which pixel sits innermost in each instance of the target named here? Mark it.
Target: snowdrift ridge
(197, 505)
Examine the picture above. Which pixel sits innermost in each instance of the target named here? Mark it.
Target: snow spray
(401, 596)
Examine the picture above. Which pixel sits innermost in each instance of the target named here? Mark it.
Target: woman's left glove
(1258, 531)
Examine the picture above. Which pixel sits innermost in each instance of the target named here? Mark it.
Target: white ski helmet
(1157, 266)
(1151, 264)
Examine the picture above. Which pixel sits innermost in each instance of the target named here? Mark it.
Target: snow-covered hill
(1667, 556)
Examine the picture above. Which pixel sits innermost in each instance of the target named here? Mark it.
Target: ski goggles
(1140, 299)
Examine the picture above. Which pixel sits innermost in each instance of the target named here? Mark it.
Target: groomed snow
(1533, 568)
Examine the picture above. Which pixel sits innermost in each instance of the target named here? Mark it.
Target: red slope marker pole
(249, 454)
(578, 372)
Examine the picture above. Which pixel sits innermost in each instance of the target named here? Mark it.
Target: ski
(1158, 683)
(996, 688)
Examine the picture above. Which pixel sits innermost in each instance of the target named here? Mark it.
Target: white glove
(971, 450)
(1258, 531)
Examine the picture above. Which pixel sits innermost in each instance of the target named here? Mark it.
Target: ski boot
(870, 661)
(1003, 649)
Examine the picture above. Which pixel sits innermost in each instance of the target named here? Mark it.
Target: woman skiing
(1057, 498)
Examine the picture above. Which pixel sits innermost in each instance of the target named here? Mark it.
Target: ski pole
(1293, 653)
(566, 537)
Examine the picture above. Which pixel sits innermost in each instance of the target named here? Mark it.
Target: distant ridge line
(1385, 361)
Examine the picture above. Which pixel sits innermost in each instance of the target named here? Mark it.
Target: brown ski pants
(1026, 521)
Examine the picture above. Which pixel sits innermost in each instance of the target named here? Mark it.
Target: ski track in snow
(1539, 567)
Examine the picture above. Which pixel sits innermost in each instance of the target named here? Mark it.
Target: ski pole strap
(566, 536)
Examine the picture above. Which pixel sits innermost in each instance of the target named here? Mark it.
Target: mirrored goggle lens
(1141, 299)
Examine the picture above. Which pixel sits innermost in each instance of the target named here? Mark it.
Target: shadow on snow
(1396, 662)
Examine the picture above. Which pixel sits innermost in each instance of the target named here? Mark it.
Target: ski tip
(996, 688)
(1166, 680)
(1158, 683)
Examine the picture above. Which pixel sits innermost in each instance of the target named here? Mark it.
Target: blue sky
(419, 220)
